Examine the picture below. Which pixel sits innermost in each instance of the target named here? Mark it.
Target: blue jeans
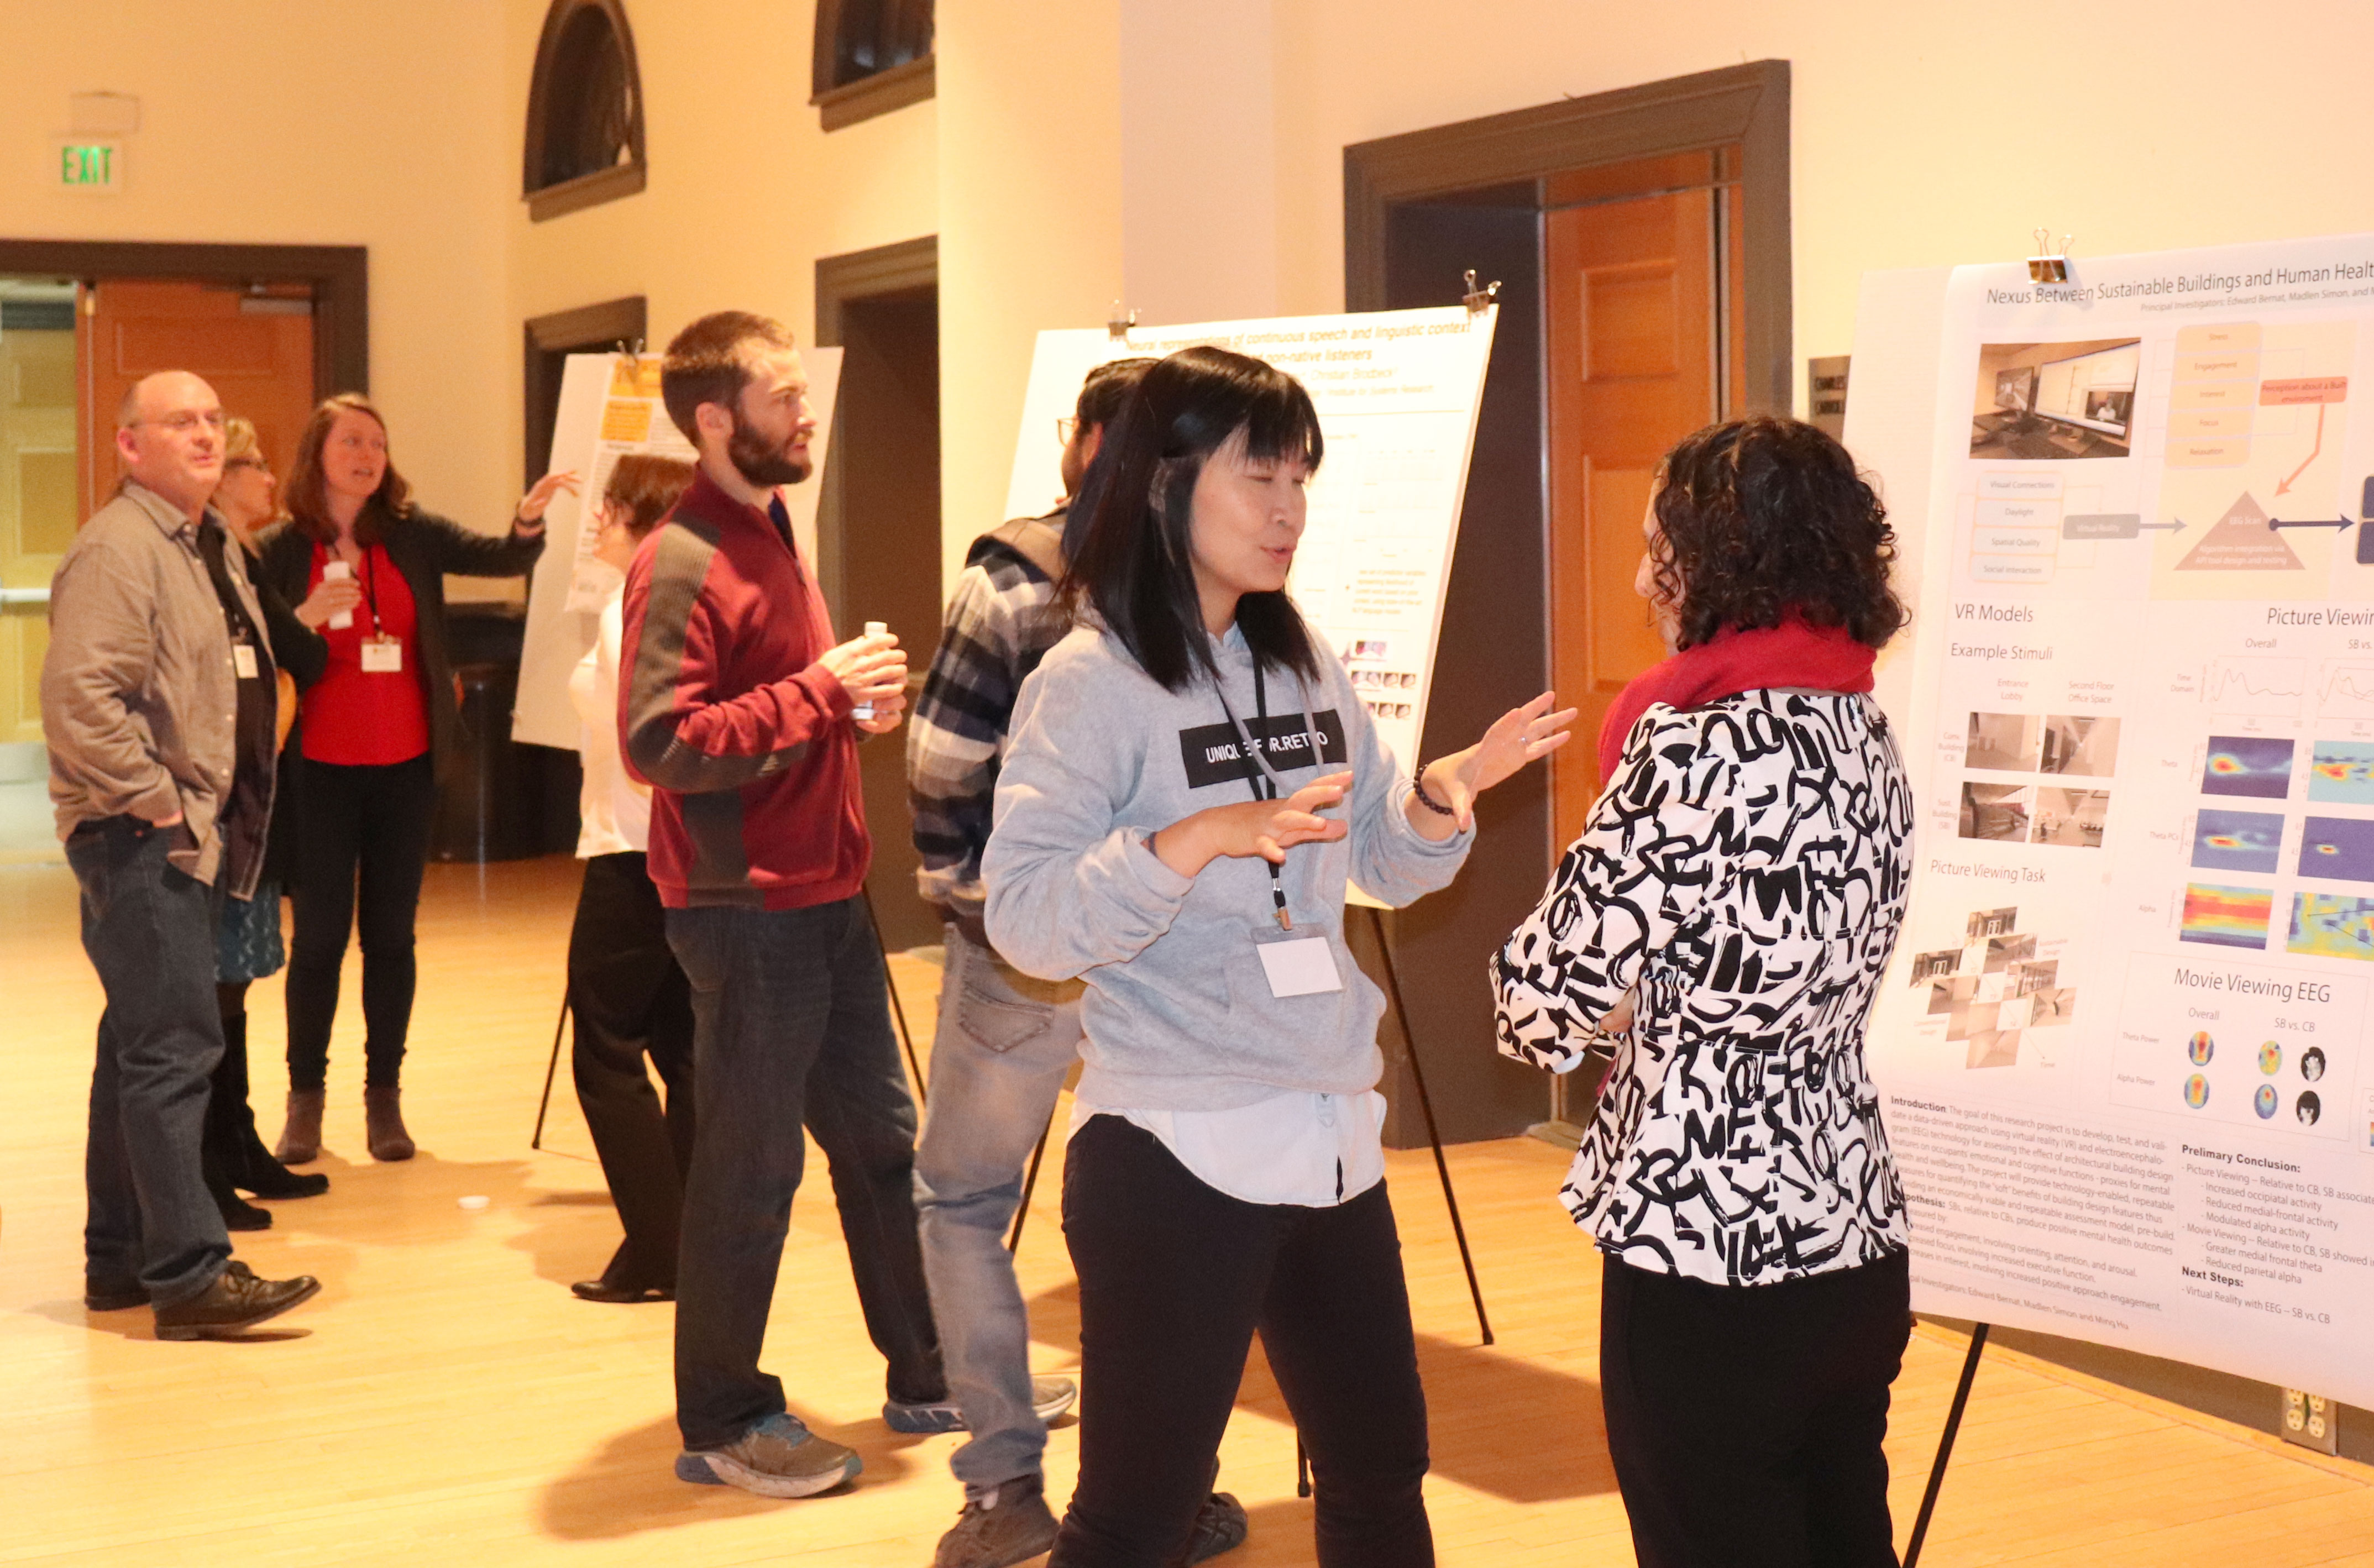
(149, 930)
(1004, 1045)
(792, 1027)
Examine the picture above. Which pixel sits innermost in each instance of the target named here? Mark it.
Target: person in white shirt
(626, 991)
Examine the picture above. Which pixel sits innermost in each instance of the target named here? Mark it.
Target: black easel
(897, 1009)
(1946, 1445)
(1426, 1104)
(536, 1140)
(1029, 1184)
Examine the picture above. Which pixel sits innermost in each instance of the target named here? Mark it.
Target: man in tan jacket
(156, 689)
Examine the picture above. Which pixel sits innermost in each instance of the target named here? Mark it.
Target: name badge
(382, 656)
(1302, 968)
(243, 658)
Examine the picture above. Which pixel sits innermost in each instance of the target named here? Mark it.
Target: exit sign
(92, 168)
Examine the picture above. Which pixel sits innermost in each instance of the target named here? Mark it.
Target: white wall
(389, 127)
(1923, 134)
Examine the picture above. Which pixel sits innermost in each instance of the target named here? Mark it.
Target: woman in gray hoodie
(1190, 785)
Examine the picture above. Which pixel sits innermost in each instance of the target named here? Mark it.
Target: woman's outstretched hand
(1264, 828)
(528, 520)
(1517, 737)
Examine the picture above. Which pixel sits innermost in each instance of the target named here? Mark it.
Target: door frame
(1745, 106)
(909, 266)
(546, 342)
(339, 275)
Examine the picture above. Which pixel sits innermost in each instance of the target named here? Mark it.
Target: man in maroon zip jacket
(735, 706)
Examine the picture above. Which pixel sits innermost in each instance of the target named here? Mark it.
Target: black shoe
(259, 1172)
(238, 1213)
(234, 1300)
(117, 1298)
(1220, 1525)
(602, 1290)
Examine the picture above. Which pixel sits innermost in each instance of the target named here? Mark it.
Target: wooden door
(37, 492)
(255, 350)
(1639, 320)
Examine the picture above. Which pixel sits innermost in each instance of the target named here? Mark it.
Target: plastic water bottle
(865, 709)
(338, 571)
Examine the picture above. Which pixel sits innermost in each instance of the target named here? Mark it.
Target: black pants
(629, 997)
(230, 1120)
(1745, 1421)
(792, 1030)
(1174, 1278)
(375, 822)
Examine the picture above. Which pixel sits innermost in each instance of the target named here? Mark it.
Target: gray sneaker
(1007, 1525)
(778, 1458)
(1049, 1397)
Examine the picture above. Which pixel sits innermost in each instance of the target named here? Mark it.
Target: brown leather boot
(383, 1124)
(300, 1137)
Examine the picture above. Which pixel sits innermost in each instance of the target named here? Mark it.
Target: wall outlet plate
(2310, 1419)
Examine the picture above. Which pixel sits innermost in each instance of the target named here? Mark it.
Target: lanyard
(1265, 782)
(370, 588)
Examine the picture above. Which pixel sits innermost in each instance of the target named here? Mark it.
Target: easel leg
(535, 1140)
(898, 1011)
(1029, 1184)
(1946, 1445)
(1301, 1467)
(1433, 1135)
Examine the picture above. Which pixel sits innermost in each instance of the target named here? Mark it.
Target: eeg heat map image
(2341, 772)
(2225, 917)
(2325, 925)
(2247, 765)
(2237, 841)
(2337, 849)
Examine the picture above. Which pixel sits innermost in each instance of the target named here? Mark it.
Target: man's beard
(758, 462)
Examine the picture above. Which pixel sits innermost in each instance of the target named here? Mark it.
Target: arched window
(584, 111)
(872, 56)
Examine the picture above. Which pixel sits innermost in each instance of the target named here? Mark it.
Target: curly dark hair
(1767, 517)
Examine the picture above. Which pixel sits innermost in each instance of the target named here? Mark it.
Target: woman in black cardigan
(372, 737)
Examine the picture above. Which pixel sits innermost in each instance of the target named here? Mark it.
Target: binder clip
(2049, 265)
(1479, 299)
(1118, 325)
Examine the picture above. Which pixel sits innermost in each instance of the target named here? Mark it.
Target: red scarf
(1790, 654)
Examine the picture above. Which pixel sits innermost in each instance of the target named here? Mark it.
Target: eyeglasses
(181, 424)
(1066, 430)
(246, 462)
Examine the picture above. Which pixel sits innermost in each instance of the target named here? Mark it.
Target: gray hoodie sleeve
(1069, 885)
(1392, 861)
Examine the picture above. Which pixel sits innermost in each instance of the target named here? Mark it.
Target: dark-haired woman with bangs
(1722, 926)
(1164, 833)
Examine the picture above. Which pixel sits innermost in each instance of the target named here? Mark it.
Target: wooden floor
(446, 1401)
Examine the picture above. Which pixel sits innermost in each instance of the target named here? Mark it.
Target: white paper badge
(243, 658)
(1302, 968)
(382, 655)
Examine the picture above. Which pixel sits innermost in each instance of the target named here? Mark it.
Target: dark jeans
(149, 930)
(374, 820)
(1174, 1278)
(792, 1029)
(1746, 1421)
(629, 997)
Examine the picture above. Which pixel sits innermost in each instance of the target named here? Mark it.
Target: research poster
(2124, 1048)
(610, 406)
(1398, 393)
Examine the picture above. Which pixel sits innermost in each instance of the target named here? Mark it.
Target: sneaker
(1050, 1396)
(1004, 1526)
(1220, 1525)
(778, 1458)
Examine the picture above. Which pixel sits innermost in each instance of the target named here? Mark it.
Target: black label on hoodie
(1214, 755)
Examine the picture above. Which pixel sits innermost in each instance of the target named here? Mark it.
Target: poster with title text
(1396, 392)
(2124, 1048)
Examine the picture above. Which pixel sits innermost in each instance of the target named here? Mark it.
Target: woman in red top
(371, 737)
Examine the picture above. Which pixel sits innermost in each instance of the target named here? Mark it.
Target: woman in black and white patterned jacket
(1722, 925)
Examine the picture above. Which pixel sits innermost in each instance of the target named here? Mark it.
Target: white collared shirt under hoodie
(614, 812)
(1268, 1099)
